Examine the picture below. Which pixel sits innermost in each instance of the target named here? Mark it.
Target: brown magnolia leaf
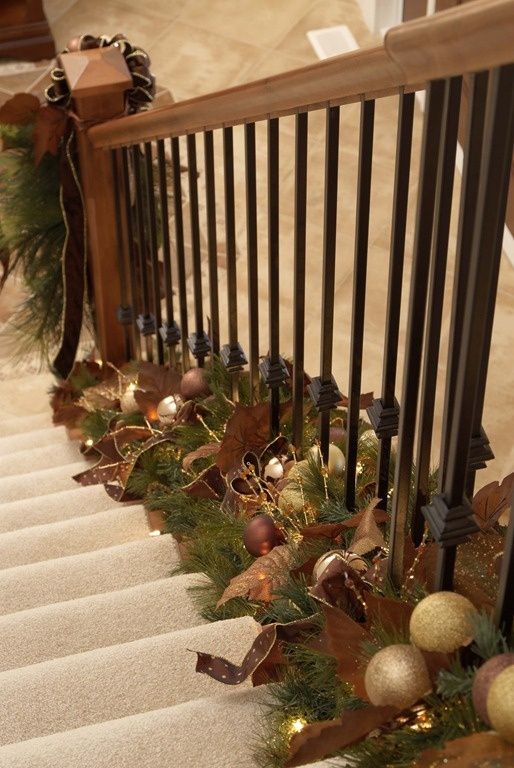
(344, 638)
(248, 429)
(158, 379)
(318, 740)
(22, 109)
(204, 452)
(393, 615)
(209, 484)
(479, 750)
(104, 395)
(368, 535)
(492, 501)
(365, 401)
(333, 530)
(262, 578)
(48, 132)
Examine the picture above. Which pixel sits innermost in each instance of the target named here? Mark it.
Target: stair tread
(72, 537)
(67, 578)
(40, 482)
(96, 621)
(219, 731)
(116, 681)
(39, 458)
(48, 435)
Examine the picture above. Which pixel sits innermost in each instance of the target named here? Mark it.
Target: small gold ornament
(500, 704)
(128, 401)
(442, 622)
(167, 409)
(336, 461)
(397, 676)
(346, 558)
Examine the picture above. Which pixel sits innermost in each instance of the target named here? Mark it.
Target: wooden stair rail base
(98, 80)
(24, 31)
(468, 38)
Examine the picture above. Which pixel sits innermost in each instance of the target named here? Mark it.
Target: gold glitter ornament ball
(483, 680)
(397, 676)
(442, 622)
(500, 704)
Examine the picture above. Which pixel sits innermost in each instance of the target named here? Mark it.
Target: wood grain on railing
(476, 36)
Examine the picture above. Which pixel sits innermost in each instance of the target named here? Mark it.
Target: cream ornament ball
(336, 462)
(397, 676)
(442, 622)
(128, 402)
(273, 470)
(500, 704)
(345, 558)
(168, 409)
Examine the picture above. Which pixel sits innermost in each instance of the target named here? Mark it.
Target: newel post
(98, 80)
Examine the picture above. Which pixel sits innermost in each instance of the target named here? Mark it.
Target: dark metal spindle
(504, 611)
(169, 330)
(212, 245)
(385, 412)
(154, 248)
(199, 342)
(125, 311)
(359, 294)
(253, 267)
(132, 266)
(443, 209)
(300, 220)
(179, 244)
(415, 328)
(450, 515)
(145, 321)
(323, 389)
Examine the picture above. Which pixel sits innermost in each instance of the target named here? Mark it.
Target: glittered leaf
(209, 484)
(247, 430)
(318, 740)
(493, 501)
(368, 535)
(48, 132)
(478, 750)
(261, 580)
(204, 452)
(22, 109)
(365, 401)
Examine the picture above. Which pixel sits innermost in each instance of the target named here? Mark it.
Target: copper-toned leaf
(365, 401)
(204, 452)
(368, 535)
(318, 740)
(22, 109)
(261, 580)
(158, 379)
(209, 484)
(247, 430)
(333, 530)
(492, 501)
(48, 131)
(478, 750)
(344, 638)
(393, 615)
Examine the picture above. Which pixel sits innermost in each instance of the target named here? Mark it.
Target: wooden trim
(475, 36)
(24, 31)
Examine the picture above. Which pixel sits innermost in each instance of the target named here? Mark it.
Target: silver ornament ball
(168, 409)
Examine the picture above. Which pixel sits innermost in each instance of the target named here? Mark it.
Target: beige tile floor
(198, 46)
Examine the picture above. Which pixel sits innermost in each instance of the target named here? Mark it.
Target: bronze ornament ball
(261, 535)
(500, 704)
(442, 622)
(483, 680)
(397, 676)
(345, 558)
(194, 384)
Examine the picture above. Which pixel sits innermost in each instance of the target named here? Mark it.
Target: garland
(391, 678)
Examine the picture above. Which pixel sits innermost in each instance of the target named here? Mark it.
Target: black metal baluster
(212, 245)
(181, 257)
(504, 611)
(384, 414)
(199, 342)
(253, 267)
(154, 248)
(232, 353)
(169, 330)
(132, 259)
(145, 321)
(415, 328)
(273, 367)
(359, 295)
(125, 312)
(323, 389)
(300, 220)
(450, 515)
(443, 209)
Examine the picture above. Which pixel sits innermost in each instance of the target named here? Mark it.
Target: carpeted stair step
(117, 681)
(34, 438)
(67, 578)
(218, 732)
(17, 425)
(28, 484)
(47, 457)
(97, 621)
(26, 395)
(54, 507)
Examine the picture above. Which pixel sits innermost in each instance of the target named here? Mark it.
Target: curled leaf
(204, 452)
(368, 535)
(493, 501)
(261, 580)
(247, 429)
(478, 750)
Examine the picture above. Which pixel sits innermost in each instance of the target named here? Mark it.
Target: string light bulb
(297, 725)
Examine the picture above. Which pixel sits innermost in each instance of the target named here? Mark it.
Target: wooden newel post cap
(98, 79)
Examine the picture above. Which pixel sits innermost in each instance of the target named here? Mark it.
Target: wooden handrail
(468, 38)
